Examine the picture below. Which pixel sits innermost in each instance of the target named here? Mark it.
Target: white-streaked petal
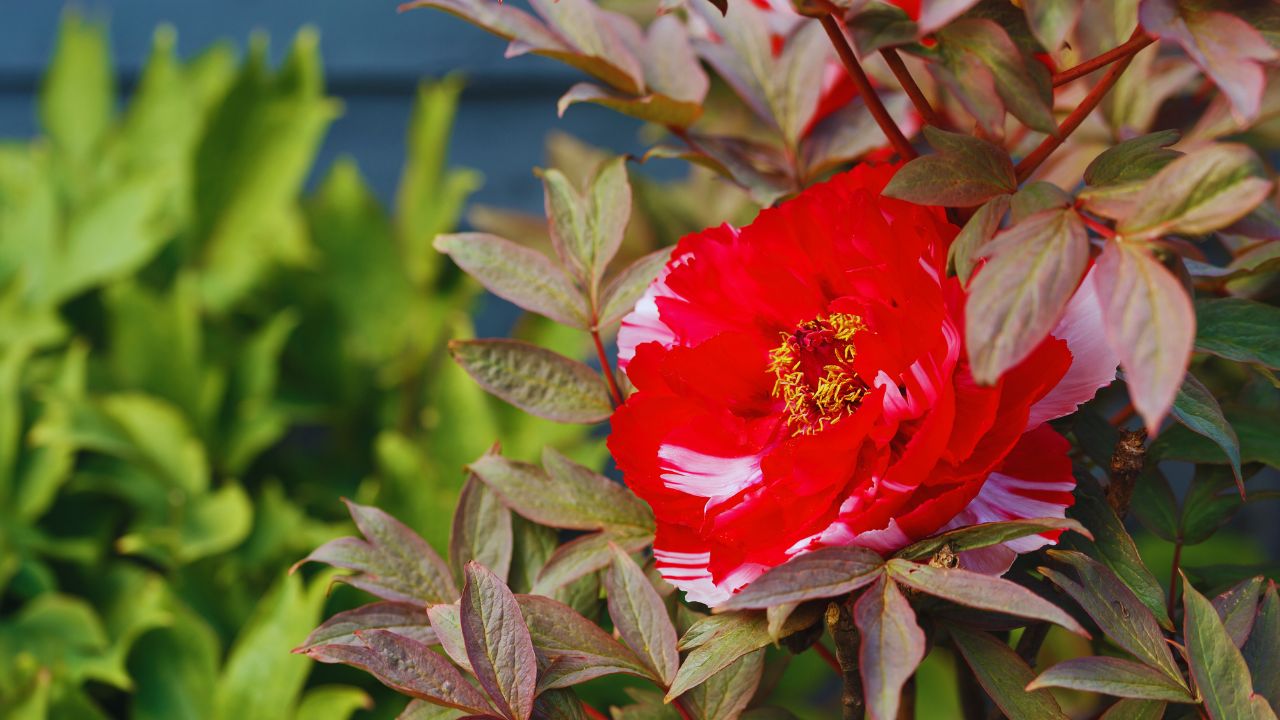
(709, 476)
(643, 324)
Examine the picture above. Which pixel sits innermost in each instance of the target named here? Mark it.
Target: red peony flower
(802, 382)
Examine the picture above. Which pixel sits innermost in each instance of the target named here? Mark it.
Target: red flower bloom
(802, 382)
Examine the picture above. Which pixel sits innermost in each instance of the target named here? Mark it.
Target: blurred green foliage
(197, 359)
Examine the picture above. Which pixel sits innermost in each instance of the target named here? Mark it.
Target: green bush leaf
(1195, 407)
(1216, 664)
(1204, 190)
(1005, 677)
(515, 273)
(964, 172)
(481, 530)
(536, 380)
(1112, 676)
(823, 573)
(984, 592)
(391, 561)
(498, 642)
(1133, 160)
(408, 667)
(1116, 610)
(1150, 325)
(570, 648)
(640, 617)
(1239, 329)
(406, 619)
(1021, 292)
(983, 535)
(891, 649)
(78, 96)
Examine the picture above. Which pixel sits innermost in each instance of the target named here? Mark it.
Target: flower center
(813, 371)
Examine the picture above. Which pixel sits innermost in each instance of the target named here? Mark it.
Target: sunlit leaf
(1216, 664)
(1005, 677)
(1133, 160)
(983, 535)
(570, 648)
(523, 276)
(827, 572)
(406, 619)
(534, 379)
(965, 171)
(892, 646)
(1112, 676)
(498, 642)
(640, 617)
(481, 530)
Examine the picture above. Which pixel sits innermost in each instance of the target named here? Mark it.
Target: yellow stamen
(815, 400)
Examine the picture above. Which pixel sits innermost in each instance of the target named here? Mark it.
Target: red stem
(1173, 577)
(592, 713)
(1098, 227)
(614, 390)
(828, 656)
(868, 93)
(1073, 120)
(679, 706)
(1122, 415)
(909, 86)
(1139, 40)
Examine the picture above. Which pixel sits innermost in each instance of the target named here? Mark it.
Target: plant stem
(910, 87)
(614, 390)
(1135, 43)
(1073, 120)
(591, 712)
(1029, 644)
(868, 93)
(1173, 577)
(1098, 227)
(845, 634)
(827, 656)
(678, 704)
(972, 704)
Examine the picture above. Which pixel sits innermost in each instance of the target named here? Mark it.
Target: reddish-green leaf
(1052, 20)
(1204, 190)
(965, 171)
(1021, 86)
(570, 648)
(498, 643)
(582, 556)
(407, 619)
(1239, 329)
(1262, 650)
(516, 273)
(985, 592)
(823, 573)
(1005, 677)
(1216, 664)
(892, 646)
(392, 561)
(409, 667)
(1133, 160)
(1195, 407)
(596, 34)
(936, 13)
(481, 530)
(1018, 296)
(726, 694)
(1116, 609)
(1130, 709)
(717, 641)
(654, 108)
(624, 290)
(446, 621)
(1112, 676)
(983, 535)
(534, 379)
(558, 705)
(968, 246)
(1149, 324)
(1238, 608)
(640, 617)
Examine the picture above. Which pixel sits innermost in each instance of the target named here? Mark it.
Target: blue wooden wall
(374, 58)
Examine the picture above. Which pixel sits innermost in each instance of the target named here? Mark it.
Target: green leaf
(725, 695)
(1112, 676)
(174, 669)
(211, 523)
(583, 556)
(261, 650)
(717, 641)
(1037, 196)
(446, 622)
(481, 530)
(498, 643)
(1206, 189)
(1131, 709)
(1052, 20)
(536, 380)
(515, 273)
(1238, 608)
(407, 619)
(1258, 442)
(967, 248)
(640, 617)
(964, 172)
(78, 97)
(1205, 508)
(1133, 160)
(891, 649)
(1262, 650)
(1113, 545)
(1005, 677)
(1238, 329)
(391, 561)
(1020, 294)
(408, 667)
(419, 710)
(570, 648)
(984, 592)
(1155, 505)
(558, 705)
(624, 290)
(654, 108)
(987, 534)
(823, 573)
(1216, 664)
(1195, 407)
(975, 48)
(1150, 325)
(564, 495)
(332, 702)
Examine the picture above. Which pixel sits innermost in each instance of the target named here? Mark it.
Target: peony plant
(1012, 269)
